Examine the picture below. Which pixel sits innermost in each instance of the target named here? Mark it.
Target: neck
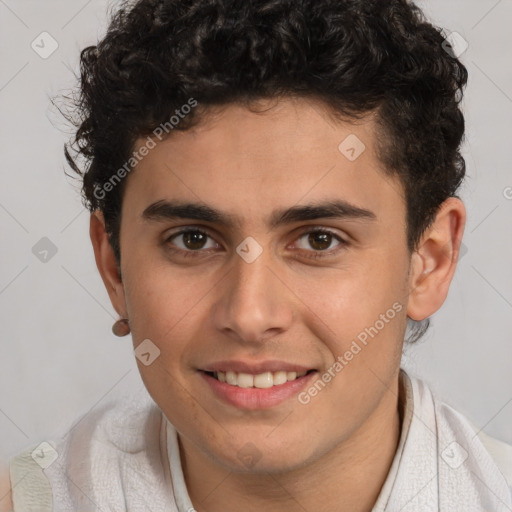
(348, 477)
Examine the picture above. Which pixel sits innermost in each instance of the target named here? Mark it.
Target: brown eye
(316, 243)
(191, 240)
(318, 240)
(194, 240)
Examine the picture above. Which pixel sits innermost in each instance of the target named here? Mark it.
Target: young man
(273, 196)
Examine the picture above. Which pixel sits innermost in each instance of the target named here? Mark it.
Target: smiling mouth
(263, 380)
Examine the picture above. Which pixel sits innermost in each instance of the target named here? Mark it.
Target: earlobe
(106, 262)
(434, 262)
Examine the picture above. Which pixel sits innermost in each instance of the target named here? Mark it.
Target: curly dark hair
(357, 56)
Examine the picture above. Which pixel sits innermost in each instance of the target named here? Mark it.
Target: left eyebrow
(337, 209)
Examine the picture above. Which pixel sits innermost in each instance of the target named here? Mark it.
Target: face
(304, 307)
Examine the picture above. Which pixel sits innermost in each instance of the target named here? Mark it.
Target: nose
(254, 303)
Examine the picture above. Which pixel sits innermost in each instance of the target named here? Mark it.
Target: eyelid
(188, 229)
(303, 231)
(322, 229)
(312, 254)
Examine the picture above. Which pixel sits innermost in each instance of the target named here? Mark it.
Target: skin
(335, 452)
(5, 488)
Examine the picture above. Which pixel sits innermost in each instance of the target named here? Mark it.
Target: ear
(106, 262)
(434, 262)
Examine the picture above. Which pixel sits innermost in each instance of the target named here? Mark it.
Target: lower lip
(256, 398)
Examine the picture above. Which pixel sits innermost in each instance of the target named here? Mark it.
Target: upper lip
(255, 368)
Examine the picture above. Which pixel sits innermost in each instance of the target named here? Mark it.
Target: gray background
(58, 358)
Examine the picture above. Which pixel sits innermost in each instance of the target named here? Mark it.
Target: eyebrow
(163, 210)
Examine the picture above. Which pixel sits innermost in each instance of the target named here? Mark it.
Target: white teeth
(261, 381)
(245, 380)
(279, 378)
(264, 380)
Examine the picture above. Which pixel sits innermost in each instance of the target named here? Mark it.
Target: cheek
(378, 326)
(349, 300)
(159, 297)
(163, 309)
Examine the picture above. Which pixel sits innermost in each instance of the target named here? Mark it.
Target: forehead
(248, 162)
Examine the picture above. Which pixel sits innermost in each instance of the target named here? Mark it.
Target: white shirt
(125, 456)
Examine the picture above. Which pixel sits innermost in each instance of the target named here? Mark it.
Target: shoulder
(30, 486)
(449, 420)
(501, 453)
(5, 489)
(113, 439)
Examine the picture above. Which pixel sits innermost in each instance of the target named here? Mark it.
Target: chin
(262, 457)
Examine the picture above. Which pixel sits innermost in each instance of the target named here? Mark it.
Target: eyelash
(314, 254)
